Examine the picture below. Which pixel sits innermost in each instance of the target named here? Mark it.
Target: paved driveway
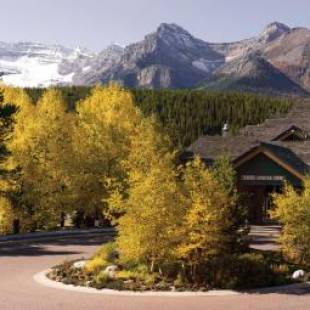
(18, 264)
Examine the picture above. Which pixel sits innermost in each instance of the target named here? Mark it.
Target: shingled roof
(294, 153)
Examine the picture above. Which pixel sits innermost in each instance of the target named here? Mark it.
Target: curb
(42, 279)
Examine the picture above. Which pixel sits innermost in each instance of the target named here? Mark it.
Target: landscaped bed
(249, 270)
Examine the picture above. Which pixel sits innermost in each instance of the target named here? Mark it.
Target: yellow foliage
(207, 220)
(40, 147)
(103, 257)
(16, 97)
(96, 264)
(150, 206)
(136, 275)
(65, 158)
(109, 106)
(107, 120)
(292, 210)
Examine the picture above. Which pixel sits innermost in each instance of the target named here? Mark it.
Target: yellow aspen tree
(207, 219)
(226, 176)
(15, 102)
(150, 206)
(39, 149)
(293, 212)
(55, 157)
(107, 120)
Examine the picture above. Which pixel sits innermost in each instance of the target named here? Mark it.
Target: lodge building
(264, 156)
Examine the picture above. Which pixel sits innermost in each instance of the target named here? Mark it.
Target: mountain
(170, 57)
(277, 60)
(92, 71)
(281, 56)
(291, 55)
(34, 64)
(255, 74)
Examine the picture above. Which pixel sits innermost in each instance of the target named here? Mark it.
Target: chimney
(225, 129)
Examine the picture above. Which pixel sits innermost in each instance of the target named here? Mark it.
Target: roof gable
(287, 160)
(293, 133)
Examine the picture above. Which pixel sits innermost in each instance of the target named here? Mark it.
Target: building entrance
(268, 205)
(259, 202)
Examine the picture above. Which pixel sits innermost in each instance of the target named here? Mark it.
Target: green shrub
(171, 269)
(252, 270)
(115, 285)
(138, 274)
(162, 285)
(180, 282)
(101, 280)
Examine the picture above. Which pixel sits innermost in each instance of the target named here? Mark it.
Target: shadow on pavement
(32, 251)
(85, 240)
(264, 241)
(293, 289)
(51, 247)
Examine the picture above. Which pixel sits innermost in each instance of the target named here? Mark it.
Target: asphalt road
(18, 290)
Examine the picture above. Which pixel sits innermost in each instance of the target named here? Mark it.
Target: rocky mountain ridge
(277, 60)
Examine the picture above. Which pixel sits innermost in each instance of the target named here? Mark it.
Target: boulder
(80, 264)
(298, 274)
(111, 270)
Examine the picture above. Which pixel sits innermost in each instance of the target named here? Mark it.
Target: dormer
(292, 134)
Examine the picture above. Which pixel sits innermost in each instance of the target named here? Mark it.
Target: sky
(97, 23)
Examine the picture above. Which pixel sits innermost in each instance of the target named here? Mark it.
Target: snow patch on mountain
(207, 65)
(31, 72)
(27, 64)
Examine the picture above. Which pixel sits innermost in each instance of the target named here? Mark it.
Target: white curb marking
(42, 279)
